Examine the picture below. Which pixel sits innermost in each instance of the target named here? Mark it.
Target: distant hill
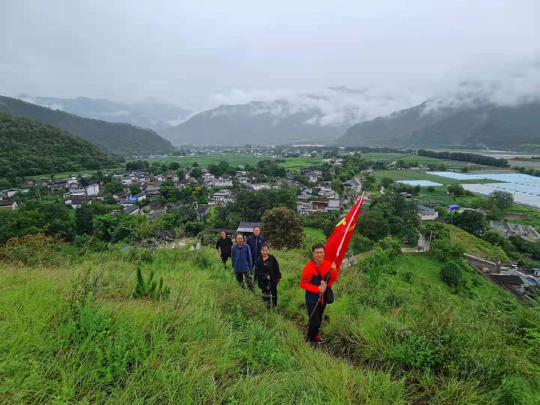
(28, 147)
(156, 116)
(123, 139)
(422, 126)
(256, 122)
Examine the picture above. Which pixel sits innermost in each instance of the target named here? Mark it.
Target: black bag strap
(326, 277)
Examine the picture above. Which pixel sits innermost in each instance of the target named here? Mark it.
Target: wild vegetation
(29, 147)
(396, 334)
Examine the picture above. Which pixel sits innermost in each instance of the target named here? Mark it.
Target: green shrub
(451, 274)
(445, 250)
(360, 244)
(283, 228)
(391, 246)
(90, 243)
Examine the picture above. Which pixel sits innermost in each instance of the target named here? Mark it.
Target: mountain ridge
(485, 125)
(118, 138)
(152, 115)
(276, 122)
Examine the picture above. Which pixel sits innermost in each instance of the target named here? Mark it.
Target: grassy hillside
(123, 139)
(72, 332)
(476, 246)
(28, 147)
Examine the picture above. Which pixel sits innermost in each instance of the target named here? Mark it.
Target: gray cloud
(398, 53)
(328, 106)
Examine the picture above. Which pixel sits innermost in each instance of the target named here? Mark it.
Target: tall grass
(72, 332)
(71, 335)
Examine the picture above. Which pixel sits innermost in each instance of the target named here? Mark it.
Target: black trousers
(247, 276)
(224, 257)
(270, 296)
(316, 319)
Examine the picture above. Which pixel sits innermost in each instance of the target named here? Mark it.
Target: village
(144, 189)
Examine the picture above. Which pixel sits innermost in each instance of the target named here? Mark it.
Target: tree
(435, 230)
(113, 187)
(84, 220)
(135, 189)
(401, 213)
(451, 274)
(430, 189)
(226, 168)
(337, 186)
(4, 183)
(194, 164)
(155, 168)
(181, 174)
(386, 181)
(215, 169)
(367, 181)
(456, 189)
(168, 191)
(502, 200)
(445, 250)
(360, 244)
(494, 237)
(471, 221)
(174, 166)
(282, 228)
(196, 172)
(392, 246)
(373, 225)
(193, 228)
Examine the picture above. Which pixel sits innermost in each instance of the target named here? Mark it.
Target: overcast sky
(196, 53)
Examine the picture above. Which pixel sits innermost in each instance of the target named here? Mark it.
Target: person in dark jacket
(223, 246)
(268, 276)
(241, 262)
(255, 242)
(312, 281)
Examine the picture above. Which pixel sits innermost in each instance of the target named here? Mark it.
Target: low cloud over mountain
(152, 115)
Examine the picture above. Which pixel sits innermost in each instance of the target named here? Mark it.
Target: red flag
(338, 243)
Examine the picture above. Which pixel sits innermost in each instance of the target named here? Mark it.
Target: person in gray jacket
(241, 262)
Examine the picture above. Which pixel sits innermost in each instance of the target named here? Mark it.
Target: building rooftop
(247, 226)
(425, 209)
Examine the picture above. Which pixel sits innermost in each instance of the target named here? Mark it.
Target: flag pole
(338, 251)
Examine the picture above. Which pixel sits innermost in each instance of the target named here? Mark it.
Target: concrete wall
(480, 264)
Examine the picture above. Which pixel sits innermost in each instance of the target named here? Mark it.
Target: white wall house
(92, 189)
(427, 214)
(223, 182)
(260, 186)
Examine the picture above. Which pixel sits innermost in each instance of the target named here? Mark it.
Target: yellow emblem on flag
(342, 222)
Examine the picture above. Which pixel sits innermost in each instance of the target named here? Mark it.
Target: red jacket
(312, 276)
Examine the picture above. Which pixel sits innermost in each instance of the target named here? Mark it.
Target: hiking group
(317, 277)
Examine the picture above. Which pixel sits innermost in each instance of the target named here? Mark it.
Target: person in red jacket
(313, 281)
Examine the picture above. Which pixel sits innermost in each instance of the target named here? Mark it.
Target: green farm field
(235, 159)
(408, 158)
(408, 175)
